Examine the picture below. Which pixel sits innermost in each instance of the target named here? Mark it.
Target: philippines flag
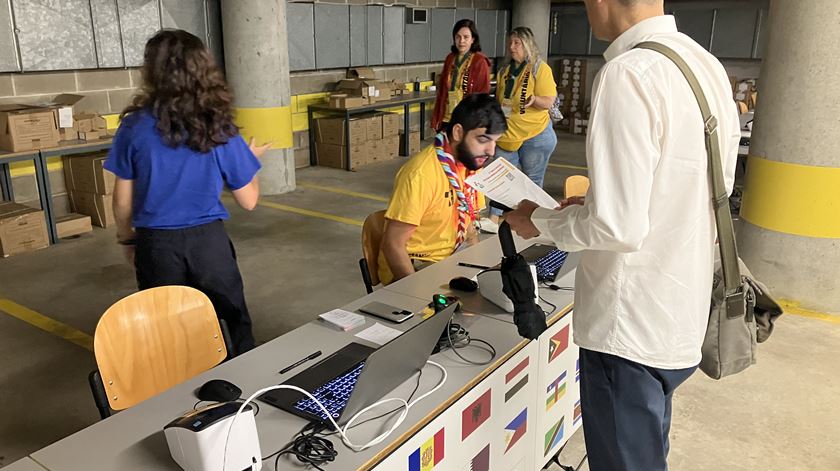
(516, 429)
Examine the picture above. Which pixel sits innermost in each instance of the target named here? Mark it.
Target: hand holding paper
(501, 181)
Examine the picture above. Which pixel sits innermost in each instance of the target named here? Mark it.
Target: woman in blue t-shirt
(176, 149)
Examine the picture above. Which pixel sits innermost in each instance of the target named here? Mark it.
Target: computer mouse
(463, 283)
(219, 390)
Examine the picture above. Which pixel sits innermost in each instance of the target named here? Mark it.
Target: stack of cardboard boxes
(90, 187)
(571, 90)
(745, 93)
(33, 127)
(22, 229)
(361, 87)
(373, 138)
(413, 142)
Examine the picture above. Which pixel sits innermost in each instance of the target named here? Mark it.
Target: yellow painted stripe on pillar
(793, 307)
(266, 125)
(47, 324)
(300, 122)
(791, 198)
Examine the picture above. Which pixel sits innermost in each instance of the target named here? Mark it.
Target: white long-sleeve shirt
(647, 228)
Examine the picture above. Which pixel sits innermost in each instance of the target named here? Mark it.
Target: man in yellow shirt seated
(432, 211)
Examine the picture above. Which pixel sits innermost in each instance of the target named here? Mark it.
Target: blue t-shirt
(176, 187)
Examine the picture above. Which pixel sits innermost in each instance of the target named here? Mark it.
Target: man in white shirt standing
(646, 229)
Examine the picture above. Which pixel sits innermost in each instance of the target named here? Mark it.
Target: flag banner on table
(481, 461)
(578, 415)
(475, 414)
(428, 455)
(554, 436)
(516, 370)
(555, 390)
(558, 343)
(516, 429)
(577, 370)
(516, 387)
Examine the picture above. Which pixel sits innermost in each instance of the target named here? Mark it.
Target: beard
(469, 160)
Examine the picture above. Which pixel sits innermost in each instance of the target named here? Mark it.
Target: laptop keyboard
(549, 264)
(333, 395)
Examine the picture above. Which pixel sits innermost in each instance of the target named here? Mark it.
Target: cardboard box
(72, 224)
(98, 207)
(86, 172)
(331, 131)
(69, 134)
(88, 122)
(374, 127)
(25, 128)
(361, 72)
(342, 100)
(22, 229)
(92, 135)
(389, 147)
(331, 155)
(413, 142)
(391, 124)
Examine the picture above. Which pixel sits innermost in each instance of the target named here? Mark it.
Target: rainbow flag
(428, 455)
(555, 390)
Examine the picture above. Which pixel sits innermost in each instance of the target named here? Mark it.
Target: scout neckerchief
(511, 74)
(465, 193)
(461, 69)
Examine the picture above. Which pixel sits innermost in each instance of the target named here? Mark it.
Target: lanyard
(511, 75)
(457, 68)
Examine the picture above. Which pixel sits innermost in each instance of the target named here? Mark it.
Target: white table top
(26, 464)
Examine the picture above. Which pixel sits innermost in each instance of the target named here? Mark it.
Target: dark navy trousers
(626, 410)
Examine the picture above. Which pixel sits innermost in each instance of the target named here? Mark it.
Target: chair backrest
(576, 185)
(372, 231)
(154, 339)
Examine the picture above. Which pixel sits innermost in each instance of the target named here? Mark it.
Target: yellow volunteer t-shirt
(523, 126)
(424, 198)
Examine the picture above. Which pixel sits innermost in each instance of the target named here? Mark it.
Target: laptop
(549, 261)
(357, 376)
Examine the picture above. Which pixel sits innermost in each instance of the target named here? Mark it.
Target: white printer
(197, 439)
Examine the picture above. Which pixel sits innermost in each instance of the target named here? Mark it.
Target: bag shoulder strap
(720, 200)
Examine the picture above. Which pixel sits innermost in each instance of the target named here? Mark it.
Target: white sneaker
(488, 226)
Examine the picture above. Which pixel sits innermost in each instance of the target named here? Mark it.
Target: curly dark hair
(185, 90)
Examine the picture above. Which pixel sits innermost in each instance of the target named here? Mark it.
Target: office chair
(372, 231)
(576, 185)
(152, 340)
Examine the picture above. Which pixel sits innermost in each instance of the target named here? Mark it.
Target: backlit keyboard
(333, 395)
(549, 264)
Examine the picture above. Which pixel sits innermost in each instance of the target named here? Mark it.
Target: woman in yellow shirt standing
(526, 90)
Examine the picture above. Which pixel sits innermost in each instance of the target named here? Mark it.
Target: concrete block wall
(105, 91)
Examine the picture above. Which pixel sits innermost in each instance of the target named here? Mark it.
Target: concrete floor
(775, 416)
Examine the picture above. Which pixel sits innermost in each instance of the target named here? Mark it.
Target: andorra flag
(428, 455)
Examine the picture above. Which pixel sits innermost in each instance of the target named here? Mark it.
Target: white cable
(344, 438)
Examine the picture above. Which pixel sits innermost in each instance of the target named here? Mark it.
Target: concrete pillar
(534, 14)
(789, 235)
(257, 67)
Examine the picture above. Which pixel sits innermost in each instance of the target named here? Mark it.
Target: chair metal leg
(363, 267)
(100, 397)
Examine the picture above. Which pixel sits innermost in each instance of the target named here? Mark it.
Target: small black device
(218, 390)
(462, 283)
(387, 312)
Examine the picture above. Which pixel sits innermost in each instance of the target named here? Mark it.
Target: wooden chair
(150, 341)
(576, 185)
(372, 231)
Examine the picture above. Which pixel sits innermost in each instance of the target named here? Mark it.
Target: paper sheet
(503, 182)
(379, 334)
(342, 319)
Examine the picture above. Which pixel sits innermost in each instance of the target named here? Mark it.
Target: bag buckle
(711, 125)
(736, 303)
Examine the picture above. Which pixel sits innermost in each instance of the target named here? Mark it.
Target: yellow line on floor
(791, 307)
(572, 167)
(315, 214)
(46, 324)
(342, 191)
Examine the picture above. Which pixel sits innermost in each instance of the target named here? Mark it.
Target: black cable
(553, 307)
(557, 288)
(462, 340)
(308, 448)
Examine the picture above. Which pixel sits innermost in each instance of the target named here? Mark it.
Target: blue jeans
(532, 157)
(626, 410)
